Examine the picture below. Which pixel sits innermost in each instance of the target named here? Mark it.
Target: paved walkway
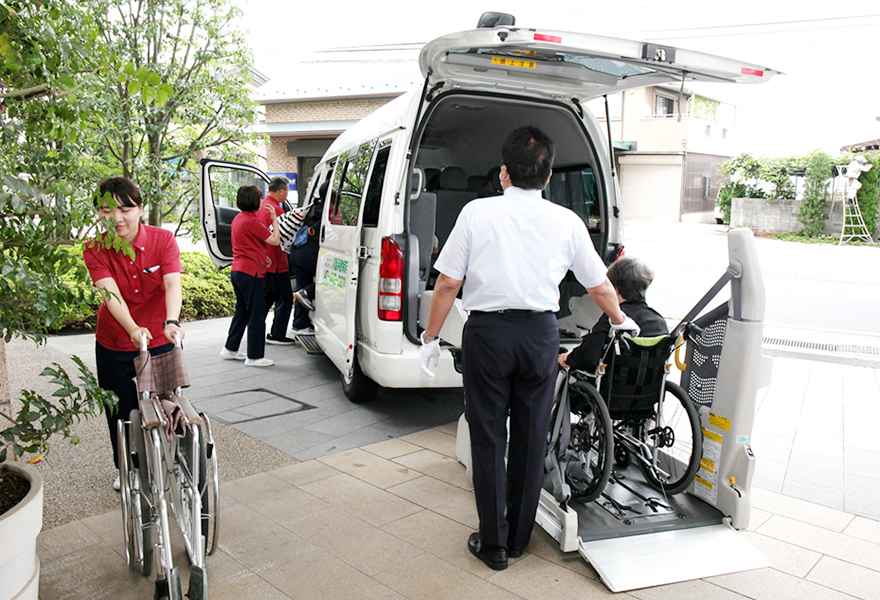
(380, 508)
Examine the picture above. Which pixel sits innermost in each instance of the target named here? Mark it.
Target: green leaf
(148, 94)
(142, 74)
(66, 81)
(161, 97)
(134, 86)
(154, 79)
(128, 69)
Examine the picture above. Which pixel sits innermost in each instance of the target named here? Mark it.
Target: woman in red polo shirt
(249, 262)
(141, 295)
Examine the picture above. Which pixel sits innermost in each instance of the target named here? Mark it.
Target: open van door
(339, 266)
(573, 66)
(218, 186)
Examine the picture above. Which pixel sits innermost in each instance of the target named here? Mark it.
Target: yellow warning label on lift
(702, 481)
(712, 436)
(707, 465)
(719, 422)
(514, 62)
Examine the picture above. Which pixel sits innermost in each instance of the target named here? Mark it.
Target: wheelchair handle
(144, 341)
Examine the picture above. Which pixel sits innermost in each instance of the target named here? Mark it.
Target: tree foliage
(182, 89)
(819, 169)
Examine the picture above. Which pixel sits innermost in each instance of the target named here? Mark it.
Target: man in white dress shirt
(510, 253)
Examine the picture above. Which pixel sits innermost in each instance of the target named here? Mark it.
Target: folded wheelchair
(167, 460)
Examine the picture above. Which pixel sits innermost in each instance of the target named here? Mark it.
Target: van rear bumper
(402, 370)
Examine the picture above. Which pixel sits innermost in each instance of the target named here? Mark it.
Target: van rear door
(573, 66)
(218, 186)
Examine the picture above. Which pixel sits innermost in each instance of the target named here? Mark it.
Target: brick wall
(335, 110)
(277, 160)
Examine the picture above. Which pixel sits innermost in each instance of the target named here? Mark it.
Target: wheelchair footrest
(198, 584)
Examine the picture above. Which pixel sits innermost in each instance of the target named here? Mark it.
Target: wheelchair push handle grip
(144, 341)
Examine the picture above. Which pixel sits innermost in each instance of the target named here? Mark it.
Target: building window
(724, 134)
(708, 131)
(664, 106)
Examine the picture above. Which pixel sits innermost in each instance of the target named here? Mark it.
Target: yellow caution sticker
(712, 436)
(719, 422)
(514, 62)
(703, 482)
(707, 465)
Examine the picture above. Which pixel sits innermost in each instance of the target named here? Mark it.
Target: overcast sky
(828, 97)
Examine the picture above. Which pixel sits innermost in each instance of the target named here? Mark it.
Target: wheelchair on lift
(168, 459)
(625, 412)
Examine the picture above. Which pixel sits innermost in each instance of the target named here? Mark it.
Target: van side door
(338, 270)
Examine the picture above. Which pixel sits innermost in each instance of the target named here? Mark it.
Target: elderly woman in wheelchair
(614, 386)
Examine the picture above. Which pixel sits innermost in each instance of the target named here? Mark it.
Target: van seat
(422, 217)
(452, 195)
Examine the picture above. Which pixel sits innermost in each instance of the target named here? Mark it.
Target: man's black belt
(511, 311)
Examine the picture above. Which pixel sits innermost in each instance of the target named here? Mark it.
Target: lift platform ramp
(634, 536)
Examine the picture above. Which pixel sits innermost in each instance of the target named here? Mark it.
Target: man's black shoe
(495, 557)
(514, 552)
(282, 341)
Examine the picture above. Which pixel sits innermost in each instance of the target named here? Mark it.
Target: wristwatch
(427, 339)
(170, 322)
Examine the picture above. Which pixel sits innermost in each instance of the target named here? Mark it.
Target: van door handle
(363, 252)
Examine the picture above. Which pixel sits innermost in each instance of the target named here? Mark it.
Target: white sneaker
(230, 355)
(301, 297)
(303, 331)
(258, 362)
(117, 484)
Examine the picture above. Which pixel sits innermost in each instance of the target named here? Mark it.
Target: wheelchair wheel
(137, 526)
(588, 458)
(673, 441)
(210, 490)
(191, 454)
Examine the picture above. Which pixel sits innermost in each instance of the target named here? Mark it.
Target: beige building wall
(334, 110)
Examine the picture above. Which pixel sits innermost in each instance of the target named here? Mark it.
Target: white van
(399, 178)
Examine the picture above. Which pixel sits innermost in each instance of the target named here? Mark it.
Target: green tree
(819, 169)
(868, 193)
(46, 57)
(183, 90)
(742, 179)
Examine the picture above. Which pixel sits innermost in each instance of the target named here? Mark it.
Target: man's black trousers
(509, 368)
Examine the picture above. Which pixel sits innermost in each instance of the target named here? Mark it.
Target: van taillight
(391, 282)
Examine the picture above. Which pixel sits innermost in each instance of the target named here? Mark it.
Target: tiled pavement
(390, 520)
(380, 508)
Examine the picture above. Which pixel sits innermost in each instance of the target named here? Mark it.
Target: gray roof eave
(306, 127)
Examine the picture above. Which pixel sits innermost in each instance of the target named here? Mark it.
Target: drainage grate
(258, 404)
(839, 348)
(842, 354)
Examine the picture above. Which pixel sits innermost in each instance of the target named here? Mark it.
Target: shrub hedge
(207, 292)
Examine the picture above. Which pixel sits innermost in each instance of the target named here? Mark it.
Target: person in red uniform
(250, 237)
(278, 290)
(140, 295)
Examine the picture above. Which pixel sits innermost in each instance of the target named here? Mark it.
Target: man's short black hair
(279, 182)
(528, 154)
(248, 198)
(631, 277)
(122, 190)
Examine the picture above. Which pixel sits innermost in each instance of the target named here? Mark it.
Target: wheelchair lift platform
(633, 535)
(635, 538)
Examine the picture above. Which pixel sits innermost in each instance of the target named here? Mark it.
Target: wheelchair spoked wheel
(673, 443)
(588, 457)
(191, 455)
(210, 490)
(137, 525)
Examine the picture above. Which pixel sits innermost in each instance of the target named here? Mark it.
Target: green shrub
(868, 196)
(820, 167)
(207, 293)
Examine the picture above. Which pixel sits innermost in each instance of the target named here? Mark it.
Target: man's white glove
(627, 325)
(429, 352)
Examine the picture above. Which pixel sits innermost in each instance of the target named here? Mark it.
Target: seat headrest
(453, 178)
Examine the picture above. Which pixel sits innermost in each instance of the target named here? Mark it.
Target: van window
(576, 189)
(348, 185)
(374, 190)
